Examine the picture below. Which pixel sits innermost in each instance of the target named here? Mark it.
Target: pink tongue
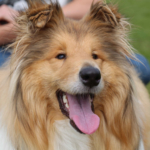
(81, 113)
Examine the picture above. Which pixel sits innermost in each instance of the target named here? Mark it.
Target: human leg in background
(142, 67)
(3, 55)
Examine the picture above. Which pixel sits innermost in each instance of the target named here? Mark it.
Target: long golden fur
(30, 79)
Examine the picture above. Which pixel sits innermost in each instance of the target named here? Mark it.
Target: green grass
(138, 12)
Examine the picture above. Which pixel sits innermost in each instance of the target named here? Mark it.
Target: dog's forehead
(76, 36)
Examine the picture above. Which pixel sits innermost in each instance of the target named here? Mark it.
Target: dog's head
(68, 69)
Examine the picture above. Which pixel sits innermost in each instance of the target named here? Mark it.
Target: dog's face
(72, 68)
(75, 64)
(68, 65)
(70, 71)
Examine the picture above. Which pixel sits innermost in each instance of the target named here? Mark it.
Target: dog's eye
(61, 56)
(94, 56)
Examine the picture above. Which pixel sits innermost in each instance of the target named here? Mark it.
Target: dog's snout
(90, 76)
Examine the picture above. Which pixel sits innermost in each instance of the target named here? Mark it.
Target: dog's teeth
(67, 105)
(65, 99)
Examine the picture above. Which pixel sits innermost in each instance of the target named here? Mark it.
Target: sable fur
(30, 79)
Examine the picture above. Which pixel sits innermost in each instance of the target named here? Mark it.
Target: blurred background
(138, 14)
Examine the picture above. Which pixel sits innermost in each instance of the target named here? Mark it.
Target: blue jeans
(3, 55)
(142, 68)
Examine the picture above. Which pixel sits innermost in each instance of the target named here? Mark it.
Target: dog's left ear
(104, 13)
(40, 16)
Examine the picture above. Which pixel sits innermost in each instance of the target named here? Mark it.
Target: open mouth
(80, 110)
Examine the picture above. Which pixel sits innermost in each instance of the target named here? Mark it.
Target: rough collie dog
(69, 86)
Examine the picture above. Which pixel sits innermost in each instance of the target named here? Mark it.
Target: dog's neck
(67, 138)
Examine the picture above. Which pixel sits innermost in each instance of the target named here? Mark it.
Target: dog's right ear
(39, 14)
(103, 13)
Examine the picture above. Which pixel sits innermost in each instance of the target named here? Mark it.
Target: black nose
(90, 76)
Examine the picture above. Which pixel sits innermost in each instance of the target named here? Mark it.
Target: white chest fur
(5, 143)
(67, 138)
(141, 145)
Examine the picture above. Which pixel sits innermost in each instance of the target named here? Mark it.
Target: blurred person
(74, 9)
(142, 67)
(8, 11)
(7, 14)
